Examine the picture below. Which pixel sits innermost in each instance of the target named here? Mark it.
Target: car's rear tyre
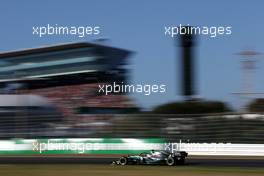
(123, 161)
(170, 161)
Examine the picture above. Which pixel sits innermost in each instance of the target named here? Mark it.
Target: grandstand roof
(52, 48)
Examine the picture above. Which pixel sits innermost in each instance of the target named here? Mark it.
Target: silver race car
(154, 157)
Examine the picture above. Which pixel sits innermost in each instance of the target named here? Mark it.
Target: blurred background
(214, 86)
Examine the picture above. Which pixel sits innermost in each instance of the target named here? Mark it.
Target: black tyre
(123, 161)
(170, 161)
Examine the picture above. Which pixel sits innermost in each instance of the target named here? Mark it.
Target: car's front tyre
(170, 161)
(123, 161)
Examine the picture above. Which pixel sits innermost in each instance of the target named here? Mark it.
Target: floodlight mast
(248, 66)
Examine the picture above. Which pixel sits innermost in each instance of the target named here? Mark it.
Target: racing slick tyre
(170, 161)
(123, 161)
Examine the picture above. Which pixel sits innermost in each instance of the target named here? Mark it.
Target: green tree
(192, 107)
(256, 105)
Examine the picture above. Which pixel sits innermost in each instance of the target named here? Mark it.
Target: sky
(138, 26)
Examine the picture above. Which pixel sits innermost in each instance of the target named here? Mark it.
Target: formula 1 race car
(154, 157)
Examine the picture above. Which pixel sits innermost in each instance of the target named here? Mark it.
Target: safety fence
(212, 128)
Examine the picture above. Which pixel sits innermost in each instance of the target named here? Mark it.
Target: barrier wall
(220, 149)
(107, 146)
(79, 146)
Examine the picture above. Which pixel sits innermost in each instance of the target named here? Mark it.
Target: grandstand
(68, 75)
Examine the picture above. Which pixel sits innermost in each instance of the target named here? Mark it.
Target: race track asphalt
(192, 161)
